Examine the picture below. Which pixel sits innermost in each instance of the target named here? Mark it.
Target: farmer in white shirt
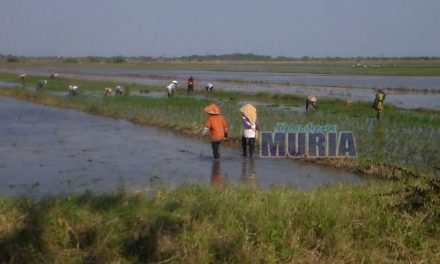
(171, 88)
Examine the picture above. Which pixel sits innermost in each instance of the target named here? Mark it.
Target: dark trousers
(248, 142)
(216, 149)
(190, 88)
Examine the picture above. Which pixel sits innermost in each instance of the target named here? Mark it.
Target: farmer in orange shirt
(217, 126)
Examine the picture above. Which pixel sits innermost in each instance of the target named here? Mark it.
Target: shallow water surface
(46, 150)
(350, 87)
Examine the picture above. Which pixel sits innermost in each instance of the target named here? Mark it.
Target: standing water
(403, 91)
(46, 150)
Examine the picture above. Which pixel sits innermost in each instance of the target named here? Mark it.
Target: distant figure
(250, 129)
(311, 101)
(119, 90)
(209, 87)
(108, 91)
(171, 88)
(54, 75)
(217, 127)
(378, 104)
(23, 79)
(190, 84)
(41, 84)
(73, 89)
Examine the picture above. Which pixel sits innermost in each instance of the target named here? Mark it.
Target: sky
(292, 28)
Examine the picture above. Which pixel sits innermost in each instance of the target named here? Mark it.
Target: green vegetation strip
(358, 66)
(391, 222)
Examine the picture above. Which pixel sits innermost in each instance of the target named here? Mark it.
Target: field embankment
(391, 222)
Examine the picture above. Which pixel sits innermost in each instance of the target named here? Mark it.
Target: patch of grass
(229, 224)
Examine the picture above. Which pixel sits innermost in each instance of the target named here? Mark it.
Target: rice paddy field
(393, 219)
(402, 138)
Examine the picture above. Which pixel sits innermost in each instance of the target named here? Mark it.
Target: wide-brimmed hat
(312, 98)
(250, 112)
(212, 109)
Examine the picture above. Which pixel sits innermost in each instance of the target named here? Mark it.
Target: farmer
(108, 91)
(209, 87)
(171, 88)
(73, 89)
(217, 126)
(41, 84)
(311, 101)
(250, 129)
(190, 85)
(379, 103)
(54, 75)
(119, 90)
(23, 79)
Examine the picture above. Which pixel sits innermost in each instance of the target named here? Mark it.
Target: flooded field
(400, 89)
(47, 150)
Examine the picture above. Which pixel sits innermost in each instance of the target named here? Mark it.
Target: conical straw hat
(212, 109)
(250, 112)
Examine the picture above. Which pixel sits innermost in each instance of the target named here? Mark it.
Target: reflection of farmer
(379, 103)
(171, 88)
(217, 126)
(190, 84)
(250, 128)
(311, 101)
(248, 173)
(217, 178)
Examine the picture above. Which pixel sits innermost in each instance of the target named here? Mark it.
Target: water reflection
(379, 140)
(217, 178)
(248, 173)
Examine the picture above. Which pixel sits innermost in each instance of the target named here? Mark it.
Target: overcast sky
(294, 28)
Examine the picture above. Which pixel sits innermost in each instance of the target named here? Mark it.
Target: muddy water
(351, 87)
(53, 151)
(9, 84)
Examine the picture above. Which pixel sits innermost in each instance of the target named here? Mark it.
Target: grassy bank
(389, 222)
(402, 139)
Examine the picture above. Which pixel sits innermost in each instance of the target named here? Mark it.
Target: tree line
(225, 57)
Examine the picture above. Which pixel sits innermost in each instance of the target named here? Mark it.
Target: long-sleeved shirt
(249, 129)
(217, 127)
